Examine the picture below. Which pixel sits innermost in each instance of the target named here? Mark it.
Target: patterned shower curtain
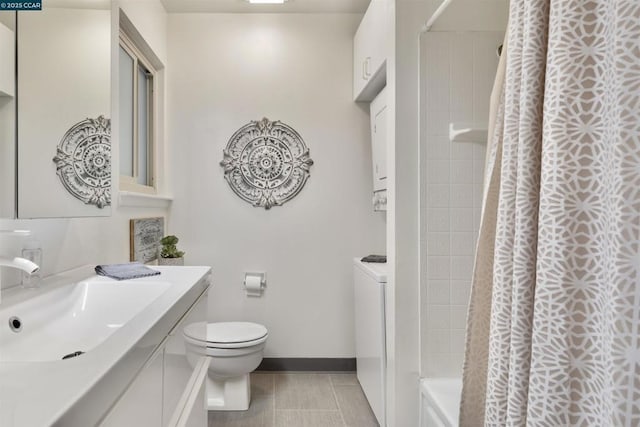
(553, 335)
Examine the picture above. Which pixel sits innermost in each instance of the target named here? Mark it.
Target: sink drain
(15, 324)
(74, 354)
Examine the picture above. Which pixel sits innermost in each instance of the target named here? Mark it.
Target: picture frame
(144, 238)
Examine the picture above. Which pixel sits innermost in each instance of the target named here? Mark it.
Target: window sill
(138, 200)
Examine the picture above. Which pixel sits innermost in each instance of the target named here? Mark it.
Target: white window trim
(127, 183)
(137, 200)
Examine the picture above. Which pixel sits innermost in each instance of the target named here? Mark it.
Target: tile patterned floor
(301, 399)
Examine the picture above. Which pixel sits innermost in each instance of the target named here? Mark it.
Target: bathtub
(439, 402)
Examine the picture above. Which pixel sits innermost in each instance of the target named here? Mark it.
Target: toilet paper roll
(253, 285)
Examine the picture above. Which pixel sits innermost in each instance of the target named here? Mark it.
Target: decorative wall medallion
(266, 163)
(83, 161)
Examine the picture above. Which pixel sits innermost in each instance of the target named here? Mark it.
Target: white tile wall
(456, 80)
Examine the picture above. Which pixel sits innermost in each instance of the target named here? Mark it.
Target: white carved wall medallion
(83, 161)
(266, 163)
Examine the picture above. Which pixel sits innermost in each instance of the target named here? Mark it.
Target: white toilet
(235, 350)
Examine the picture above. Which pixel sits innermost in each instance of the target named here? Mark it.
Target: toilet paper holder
(254, 283)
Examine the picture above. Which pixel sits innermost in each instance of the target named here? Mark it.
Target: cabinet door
(359, 79)
(190, 411)
(378, 113)
(141, 404)
(178, 370)
(369, 52)
(377, 31)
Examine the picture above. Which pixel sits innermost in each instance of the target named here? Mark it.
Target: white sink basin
(72, 318)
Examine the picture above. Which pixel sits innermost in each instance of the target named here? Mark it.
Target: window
(137, 107)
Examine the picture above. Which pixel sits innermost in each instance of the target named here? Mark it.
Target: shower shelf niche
(465, 132)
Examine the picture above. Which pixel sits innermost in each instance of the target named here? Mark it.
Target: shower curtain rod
(432, 20)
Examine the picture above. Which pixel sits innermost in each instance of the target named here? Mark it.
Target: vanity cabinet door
(169, 389)
(141, 404)
(189, 412)
(179, 372)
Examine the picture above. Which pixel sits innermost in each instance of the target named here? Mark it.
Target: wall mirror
(7, 115)
(62, 119)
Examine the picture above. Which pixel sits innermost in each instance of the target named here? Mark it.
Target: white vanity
(133, 369)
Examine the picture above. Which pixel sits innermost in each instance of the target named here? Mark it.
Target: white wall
(457, 75)
(68, 243)
(225, 71)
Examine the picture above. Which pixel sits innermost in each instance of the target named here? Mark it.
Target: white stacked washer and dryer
(370, 280)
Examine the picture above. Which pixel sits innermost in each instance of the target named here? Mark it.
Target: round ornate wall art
(83, 161)
(266, 163)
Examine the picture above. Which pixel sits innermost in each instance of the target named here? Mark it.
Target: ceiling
(291, 6)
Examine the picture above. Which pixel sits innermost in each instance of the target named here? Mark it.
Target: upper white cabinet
(369, 52)
(7, 61)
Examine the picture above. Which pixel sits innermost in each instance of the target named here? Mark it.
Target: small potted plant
(169, 253)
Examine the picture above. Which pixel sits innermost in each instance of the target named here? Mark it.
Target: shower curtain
(553, 335)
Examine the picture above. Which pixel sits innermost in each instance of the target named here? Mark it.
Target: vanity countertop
(80, 390)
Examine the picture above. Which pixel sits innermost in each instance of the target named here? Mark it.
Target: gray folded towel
(131, 270)
(375, 258)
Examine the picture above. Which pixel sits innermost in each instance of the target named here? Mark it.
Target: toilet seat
(225, 334)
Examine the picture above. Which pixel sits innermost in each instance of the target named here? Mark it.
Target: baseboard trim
(307, 364)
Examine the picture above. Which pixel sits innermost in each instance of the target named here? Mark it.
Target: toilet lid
(226, 332)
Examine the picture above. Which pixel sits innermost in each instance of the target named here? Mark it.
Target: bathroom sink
(71, 320)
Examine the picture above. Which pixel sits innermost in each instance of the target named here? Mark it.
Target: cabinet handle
(367, 62)
(364, 70)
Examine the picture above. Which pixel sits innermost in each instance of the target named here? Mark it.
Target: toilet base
(228, 394)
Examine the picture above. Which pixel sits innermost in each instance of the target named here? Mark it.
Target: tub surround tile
(458, 316)
(438, 195)
(461, 267)
(438, 243)
(461, 196)
(438, 219)
(439, 317)
(462, 243)
(438, 267)
(462, 219)
(438, 124)
(460, 291)
(439, 292)
(440, 149)
(462, 64)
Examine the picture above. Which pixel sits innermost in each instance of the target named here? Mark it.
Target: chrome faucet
(23, 264)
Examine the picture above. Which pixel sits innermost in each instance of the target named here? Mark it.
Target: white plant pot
(170, 261)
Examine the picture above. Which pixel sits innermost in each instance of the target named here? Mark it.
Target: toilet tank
(369, 297)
